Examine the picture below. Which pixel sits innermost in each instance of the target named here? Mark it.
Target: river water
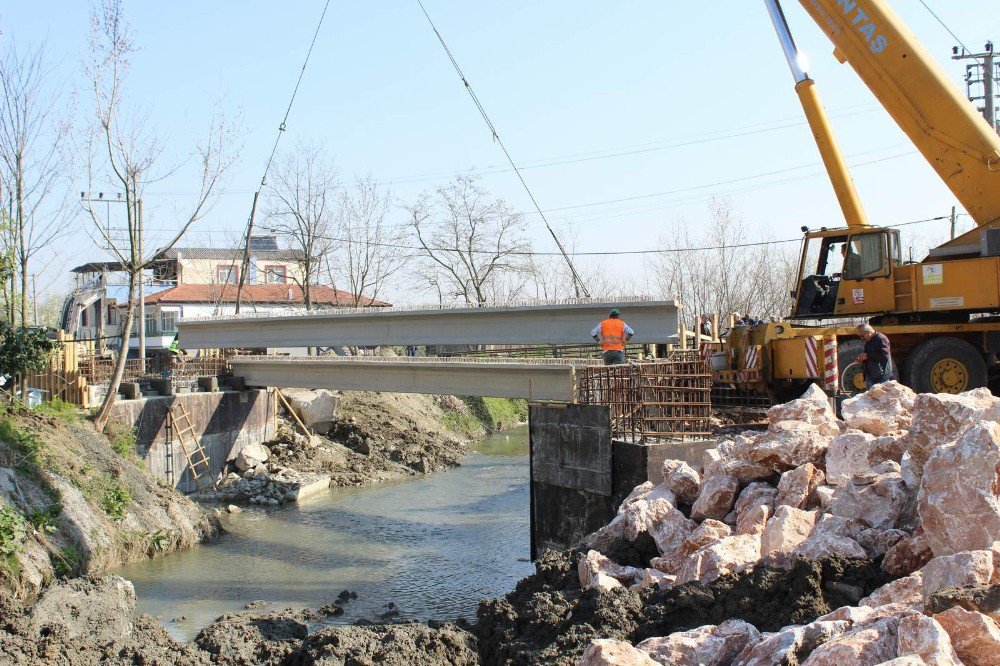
(434, 546)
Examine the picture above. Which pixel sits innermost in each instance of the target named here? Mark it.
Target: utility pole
(34, 298)
(954, 216)
(983, 72)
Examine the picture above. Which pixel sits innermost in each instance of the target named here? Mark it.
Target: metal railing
(665, 399)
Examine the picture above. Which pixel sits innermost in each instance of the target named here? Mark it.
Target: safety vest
(613, 335)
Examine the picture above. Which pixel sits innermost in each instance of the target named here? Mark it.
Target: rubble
(907, 484)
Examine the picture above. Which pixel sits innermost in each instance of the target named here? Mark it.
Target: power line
(608, 253)
(577, 281)
(274, 149)
(944, 25)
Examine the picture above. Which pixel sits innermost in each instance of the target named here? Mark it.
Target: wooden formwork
(62, 379)
(665, 399)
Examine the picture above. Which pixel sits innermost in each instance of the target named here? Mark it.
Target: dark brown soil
(548, 619)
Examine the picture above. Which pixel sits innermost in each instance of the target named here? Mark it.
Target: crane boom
(945, 127)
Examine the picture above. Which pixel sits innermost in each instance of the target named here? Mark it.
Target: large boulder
(251, 456)
(885, 408)
(940, 418)
(791, 644)
(596, 570)
(705, 646)
(790, 444)
(958, 503)
(813, 408)
(828, 545)
(797, 487)
(908, 555)
(716, 499)
(975, 637)
(682, 479)
(754, 507)
(784, 532)
(875, 500)
(867, 645)
(907, 591)
(607, 652)
(317, 408)
(969, 568)
(848, 454)
(924, 637)
(732, 554)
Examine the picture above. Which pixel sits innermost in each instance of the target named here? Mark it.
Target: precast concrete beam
(531, 381)
(556, 324)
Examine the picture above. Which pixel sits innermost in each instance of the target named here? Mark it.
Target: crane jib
(864, 24)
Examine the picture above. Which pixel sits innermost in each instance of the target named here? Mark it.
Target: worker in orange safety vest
(612, 334)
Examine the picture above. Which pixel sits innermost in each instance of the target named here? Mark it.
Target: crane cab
(846, 272)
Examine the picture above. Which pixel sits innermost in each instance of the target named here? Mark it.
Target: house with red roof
(199, 282)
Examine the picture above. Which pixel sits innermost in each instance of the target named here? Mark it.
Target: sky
(626, 118)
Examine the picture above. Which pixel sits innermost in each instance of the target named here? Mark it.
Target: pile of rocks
(258, 479)
(909, 480)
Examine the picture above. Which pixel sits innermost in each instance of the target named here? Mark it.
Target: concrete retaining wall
(580, 475)
(225, 421)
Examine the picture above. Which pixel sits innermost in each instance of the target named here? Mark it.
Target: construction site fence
(664, 399)
(99, 371)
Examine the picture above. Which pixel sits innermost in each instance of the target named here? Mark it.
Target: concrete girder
(532, 381)
(653, 321)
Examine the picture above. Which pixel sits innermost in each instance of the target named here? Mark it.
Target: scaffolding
(665, 399)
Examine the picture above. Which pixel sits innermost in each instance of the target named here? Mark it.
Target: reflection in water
(434, 546)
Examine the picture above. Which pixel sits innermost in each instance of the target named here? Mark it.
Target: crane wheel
(852, 375)
(945, 365)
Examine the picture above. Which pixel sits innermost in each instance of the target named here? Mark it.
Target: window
(112, 314)
(84, 317)
(227, 274)
(150, 324)
(866, 257)
(168, 322)
(274, 274)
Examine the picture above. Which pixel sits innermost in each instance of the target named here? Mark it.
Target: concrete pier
(580, 474)
(225, 421)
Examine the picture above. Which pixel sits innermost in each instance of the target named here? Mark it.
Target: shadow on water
(433, 546)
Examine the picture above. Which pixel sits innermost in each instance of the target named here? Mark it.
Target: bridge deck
(549, 380)
(551, 323)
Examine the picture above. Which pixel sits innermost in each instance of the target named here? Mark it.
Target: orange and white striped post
(831, 365)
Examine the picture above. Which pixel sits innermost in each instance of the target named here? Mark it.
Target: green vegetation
(113, 498)
(68, 561)
(27, 446)
(497, 413)
(12, 531)
(462, 423)
(45, 520)
(24, 350)
(122, 439)
(60, 409)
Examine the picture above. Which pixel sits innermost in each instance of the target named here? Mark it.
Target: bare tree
(33, 172)
(125, 150)
(303, 198)
(468, 239)
(723, 270)
(373, 251)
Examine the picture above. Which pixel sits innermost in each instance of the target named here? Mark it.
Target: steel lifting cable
(244, 264)
(578, 284)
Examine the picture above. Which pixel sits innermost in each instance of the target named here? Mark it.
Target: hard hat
(615, 312)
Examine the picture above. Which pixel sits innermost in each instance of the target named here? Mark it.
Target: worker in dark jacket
(877, 356)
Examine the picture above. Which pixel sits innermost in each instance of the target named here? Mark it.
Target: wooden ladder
(183, 430)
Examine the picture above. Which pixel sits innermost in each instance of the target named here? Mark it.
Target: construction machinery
(940, 314)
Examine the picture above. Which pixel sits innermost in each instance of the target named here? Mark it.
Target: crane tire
(945, 365)
(852, 382)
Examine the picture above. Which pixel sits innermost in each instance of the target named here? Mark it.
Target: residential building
(194, 282)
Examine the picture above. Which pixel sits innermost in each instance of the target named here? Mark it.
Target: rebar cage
(665, 399)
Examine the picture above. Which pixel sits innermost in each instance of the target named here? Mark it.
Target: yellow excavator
(942, 314)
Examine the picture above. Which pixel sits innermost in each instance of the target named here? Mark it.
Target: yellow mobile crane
(942, 314)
